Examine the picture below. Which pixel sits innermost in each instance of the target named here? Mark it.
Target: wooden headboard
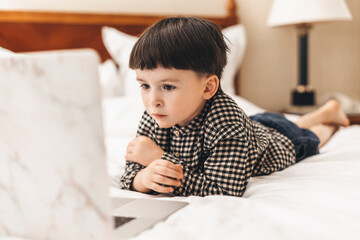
(23, 31)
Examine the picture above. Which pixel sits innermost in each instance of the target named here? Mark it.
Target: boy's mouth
(158, 116)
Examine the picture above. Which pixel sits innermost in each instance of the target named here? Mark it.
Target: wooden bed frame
(23, 31)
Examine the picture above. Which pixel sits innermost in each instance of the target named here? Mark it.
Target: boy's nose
(156, 101)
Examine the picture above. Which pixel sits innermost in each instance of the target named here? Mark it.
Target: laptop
(53, 175)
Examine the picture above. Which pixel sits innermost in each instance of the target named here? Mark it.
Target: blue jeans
(305, 141)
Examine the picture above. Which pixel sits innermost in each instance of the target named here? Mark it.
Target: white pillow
(119, 46)
(235, 37)
(5, 52)
(108, 74)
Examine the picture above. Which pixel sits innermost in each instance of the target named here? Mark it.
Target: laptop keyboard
(122, 220)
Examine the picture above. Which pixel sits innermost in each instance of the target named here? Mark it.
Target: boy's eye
(168, 87)
(144, 86)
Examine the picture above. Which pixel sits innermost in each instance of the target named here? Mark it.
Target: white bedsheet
(318, 198)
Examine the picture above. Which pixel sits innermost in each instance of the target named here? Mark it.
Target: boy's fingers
(168, 172)
(129, 156)
(166, 181)
(129, 148)
(168, 169)
(171, 165)
(179, 167)
(162, 189)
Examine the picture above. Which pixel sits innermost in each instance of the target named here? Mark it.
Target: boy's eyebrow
(162, 80)
(169, 80)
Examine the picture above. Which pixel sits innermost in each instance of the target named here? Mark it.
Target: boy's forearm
(147, 162)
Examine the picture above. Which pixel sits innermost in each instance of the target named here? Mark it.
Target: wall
(269, 70)
(199, 7)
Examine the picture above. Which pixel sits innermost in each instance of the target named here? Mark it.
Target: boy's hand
(143, 150)
(156, 175)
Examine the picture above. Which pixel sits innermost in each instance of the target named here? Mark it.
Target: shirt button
(177, 154)
(176, 132)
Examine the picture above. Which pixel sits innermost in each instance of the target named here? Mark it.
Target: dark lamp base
(303, 98)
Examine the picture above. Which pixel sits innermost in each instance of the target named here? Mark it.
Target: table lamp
(302, 14)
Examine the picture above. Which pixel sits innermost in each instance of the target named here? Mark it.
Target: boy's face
(172, 96)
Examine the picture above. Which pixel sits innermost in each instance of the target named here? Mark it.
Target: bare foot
(334, 114)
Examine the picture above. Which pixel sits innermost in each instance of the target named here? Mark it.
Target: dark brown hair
(186, 43)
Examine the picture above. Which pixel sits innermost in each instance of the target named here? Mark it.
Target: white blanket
(318, 198)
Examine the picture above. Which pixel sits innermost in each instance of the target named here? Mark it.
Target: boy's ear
(212, 85)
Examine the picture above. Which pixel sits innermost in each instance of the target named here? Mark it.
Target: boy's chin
(164, 125)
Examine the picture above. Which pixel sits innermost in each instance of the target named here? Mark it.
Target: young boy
(193, 139)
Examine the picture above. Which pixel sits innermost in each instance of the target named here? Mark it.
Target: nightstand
(354, 118)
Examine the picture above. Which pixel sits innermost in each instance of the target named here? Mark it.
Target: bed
(317, 198)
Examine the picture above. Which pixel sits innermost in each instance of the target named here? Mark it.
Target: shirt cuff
(127, 179)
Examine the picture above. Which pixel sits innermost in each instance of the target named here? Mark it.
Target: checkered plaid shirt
(219, 150)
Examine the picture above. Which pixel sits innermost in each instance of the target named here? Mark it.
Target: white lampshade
(288, 12)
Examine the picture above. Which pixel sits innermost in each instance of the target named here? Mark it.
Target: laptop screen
(53, 178)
